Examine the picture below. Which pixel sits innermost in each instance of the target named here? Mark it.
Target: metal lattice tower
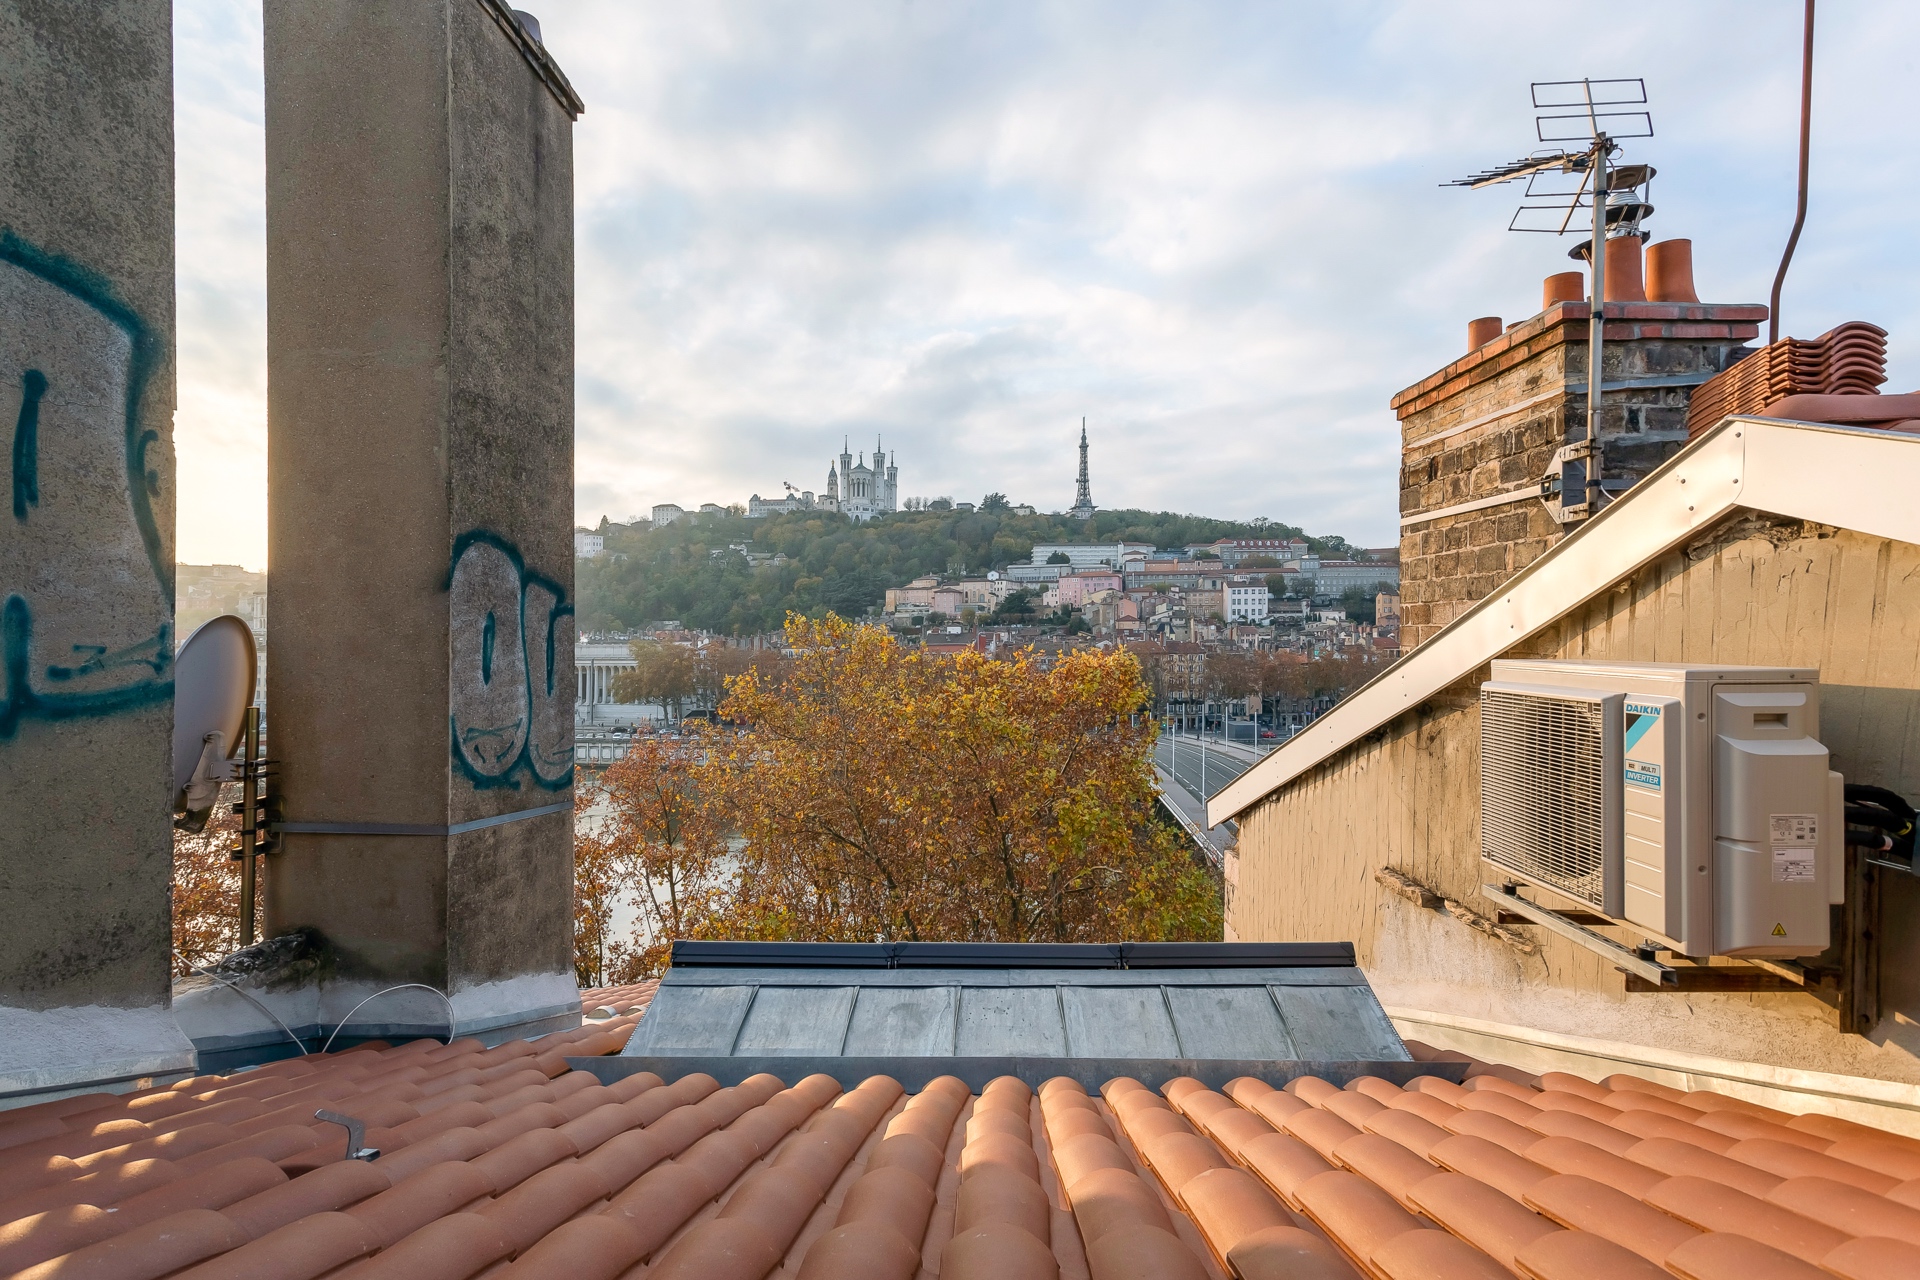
(1083, 495)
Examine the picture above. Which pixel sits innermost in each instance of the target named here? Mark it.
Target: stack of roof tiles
(503, 1163)
(1850, 359)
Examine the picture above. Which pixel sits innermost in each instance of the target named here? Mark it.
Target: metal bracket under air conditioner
(1643, 972)
(1634, 963)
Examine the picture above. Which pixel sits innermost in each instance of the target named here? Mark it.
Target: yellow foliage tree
(643, 839)
(883, 793)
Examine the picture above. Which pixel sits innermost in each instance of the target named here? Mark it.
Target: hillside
(688, 571)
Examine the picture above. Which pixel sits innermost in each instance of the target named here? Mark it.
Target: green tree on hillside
(693, 572)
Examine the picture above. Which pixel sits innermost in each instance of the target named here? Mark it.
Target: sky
(1213, 230)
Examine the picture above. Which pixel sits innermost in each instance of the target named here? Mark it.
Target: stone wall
(1488, 425)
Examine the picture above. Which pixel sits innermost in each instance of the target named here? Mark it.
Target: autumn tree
(206, 888)
(662, 673)
(886, 793)
(647, 842)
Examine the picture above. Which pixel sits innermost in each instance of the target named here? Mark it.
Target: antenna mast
(1573, 486)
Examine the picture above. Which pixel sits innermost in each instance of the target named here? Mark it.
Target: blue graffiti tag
(511, 629)
(86, 628)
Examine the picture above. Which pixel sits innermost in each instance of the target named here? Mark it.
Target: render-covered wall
(86, 560)
(420, 349)
(1752, 590)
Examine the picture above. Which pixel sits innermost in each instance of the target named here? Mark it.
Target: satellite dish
(213, 681)
(993, 577)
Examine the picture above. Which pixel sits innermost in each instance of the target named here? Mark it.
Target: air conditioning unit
(1693, 803)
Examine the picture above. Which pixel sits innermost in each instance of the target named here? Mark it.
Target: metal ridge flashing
(1012, 955)
(1849, 477)
(535, 52)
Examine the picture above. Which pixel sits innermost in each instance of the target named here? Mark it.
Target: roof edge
(1850, 477)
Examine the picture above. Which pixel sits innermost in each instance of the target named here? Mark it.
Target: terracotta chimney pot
(1482, 331)
(1670, 271)
(1624, 280)
(1568, 286)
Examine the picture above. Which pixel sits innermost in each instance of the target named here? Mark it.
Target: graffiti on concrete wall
(86, 628)
(512, 642)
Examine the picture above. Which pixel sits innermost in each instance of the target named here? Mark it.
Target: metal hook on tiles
(356, 1134)
(417, 986)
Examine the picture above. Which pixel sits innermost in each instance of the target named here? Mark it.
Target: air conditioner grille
(1542, 789)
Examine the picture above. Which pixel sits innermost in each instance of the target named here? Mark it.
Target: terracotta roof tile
(1480, 1215)
(1727, 1256)
(504, 1163)
(1569, 1155)
(1495, 1129)
(1386, 1164)
(1713, 1207)
(1141, 1252)
(1581, 1204)
(1358, 1216)
(1664, 1155)
(146, 1252)
(1490, 1163)
(1434, 1255)
(1874, 1259)
(1578, 1255)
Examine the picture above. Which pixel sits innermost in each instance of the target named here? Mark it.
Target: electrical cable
(208, 973)
(403, 986)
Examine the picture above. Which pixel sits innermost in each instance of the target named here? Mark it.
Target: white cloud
(1213, 229)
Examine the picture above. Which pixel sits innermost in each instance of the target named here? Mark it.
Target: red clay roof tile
(1581, 1204)
(704, 1180)
(1138, 1252)
(1287, 1253)
(1726, 1256)
(1434, 1255)
(1491, 1221)
(1490, 1163)
(1874, 1259)
(145, 1252)
(996, 1251)
(1385, 1163)
(1580, 1255)
(1847, 1207)
(1569, 1155)
(307, 1247)
(1358, 1216)
(1410, 1131)
(1714, 1207)
(1664, 1155)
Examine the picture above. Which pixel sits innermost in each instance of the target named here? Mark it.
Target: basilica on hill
(857, 489)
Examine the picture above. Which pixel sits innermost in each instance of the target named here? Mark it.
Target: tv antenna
(1597, 114)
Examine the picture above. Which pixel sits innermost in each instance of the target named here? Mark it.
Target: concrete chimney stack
(420, 471)
(86, 563)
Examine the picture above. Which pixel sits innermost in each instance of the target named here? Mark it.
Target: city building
(860, 490)
(1075, 589)
(1231, 551)
(1085, 555)
(796, 500)
(587, 544)
(665, 513)
(1244, 599)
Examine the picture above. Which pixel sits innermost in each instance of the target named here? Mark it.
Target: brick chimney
(1477, 436)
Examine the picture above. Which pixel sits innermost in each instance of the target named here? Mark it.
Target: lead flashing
(537, 57)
